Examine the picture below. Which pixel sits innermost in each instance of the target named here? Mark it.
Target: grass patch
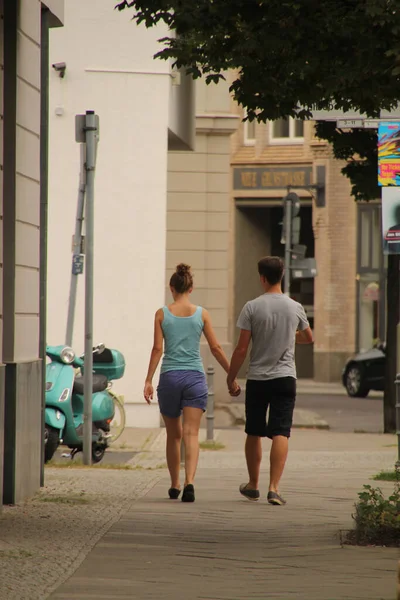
(387, 476)
(211, 445)
(72, 499)
(16, 554)
(110, 466)
(78, 464)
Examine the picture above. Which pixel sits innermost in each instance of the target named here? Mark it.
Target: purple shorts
(180, 389)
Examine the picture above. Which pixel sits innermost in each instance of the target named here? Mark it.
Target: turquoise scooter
(64, 399)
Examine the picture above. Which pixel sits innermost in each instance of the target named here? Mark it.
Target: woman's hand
(148, 392)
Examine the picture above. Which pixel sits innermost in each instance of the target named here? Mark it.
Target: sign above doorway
(264, 178)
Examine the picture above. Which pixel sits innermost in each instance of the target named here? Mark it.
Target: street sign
(371, 124)
(77, 264)
(336, 115)
(349, 123)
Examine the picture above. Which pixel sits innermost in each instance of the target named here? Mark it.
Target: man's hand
(148, 392)
(234, 388)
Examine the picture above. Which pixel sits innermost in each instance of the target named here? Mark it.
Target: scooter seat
(100, 383)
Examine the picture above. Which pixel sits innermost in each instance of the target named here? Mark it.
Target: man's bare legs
(277, 457)
(253, 451)
(174, 436)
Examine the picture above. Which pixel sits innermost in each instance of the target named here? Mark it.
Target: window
(369, 238)
(249, 132)
(287, 131)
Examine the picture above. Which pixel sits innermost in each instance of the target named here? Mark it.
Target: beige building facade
(286, 155)
(199, 212)
(225, 210)
(23, 53)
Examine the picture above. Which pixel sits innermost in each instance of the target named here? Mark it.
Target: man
(274, 323)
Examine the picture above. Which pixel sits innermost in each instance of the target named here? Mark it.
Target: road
(346, 414)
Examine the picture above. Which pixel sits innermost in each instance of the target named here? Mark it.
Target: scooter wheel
(51, 441)
(98, 451)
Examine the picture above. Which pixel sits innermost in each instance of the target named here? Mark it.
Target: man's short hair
(271, 267)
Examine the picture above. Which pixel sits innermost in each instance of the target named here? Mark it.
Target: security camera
(60, 68)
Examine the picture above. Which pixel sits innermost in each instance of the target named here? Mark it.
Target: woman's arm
(155, 356)
(216, 349)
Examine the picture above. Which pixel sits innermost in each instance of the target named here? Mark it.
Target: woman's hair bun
(182, 269)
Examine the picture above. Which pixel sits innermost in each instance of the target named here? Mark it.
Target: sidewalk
(112, 534)
(226, 548)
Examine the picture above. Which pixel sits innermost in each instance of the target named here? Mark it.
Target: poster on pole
(391, 220)
(389, 153)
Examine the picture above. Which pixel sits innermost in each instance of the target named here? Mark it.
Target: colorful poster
(391, 220)
(389, 153)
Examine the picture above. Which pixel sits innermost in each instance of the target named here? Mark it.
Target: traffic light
(291, 220)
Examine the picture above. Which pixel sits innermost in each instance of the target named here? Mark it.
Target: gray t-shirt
(273, 320)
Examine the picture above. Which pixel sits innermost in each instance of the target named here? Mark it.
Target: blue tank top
(182, 342)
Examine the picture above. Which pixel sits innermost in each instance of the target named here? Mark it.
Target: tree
(292, 57)
(288, 54)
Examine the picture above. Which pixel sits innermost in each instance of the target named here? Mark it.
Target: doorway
(258, 232)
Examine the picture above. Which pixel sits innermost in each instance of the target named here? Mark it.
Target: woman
(182, 385)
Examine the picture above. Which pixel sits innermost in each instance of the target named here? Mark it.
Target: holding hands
(233, 387)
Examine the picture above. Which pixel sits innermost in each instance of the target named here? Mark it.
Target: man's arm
(305, 336)
(238, 356)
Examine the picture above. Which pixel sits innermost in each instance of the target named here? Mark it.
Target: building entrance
(258, 232)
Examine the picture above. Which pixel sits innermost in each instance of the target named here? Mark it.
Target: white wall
(110, 69)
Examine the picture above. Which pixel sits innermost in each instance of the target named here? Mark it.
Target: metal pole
(288, 243)
(210, 404)
(76, 248)
(91, 140)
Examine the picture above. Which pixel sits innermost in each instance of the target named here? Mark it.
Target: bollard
(210, 404)
(397, 382)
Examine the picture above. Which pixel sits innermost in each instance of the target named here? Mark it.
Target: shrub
(377, 519)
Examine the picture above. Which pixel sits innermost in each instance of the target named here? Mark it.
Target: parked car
(365, 371)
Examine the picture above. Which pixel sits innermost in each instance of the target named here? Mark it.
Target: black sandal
(188, 493)
(249, 493)
(275, 499)
(174, 493)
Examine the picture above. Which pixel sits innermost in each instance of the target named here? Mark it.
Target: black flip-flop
(248, 492)
(275, 499)
(188, 493)
(174, 493)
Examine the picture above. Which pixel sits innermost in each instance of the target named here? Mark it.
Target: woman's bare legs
(191, 425)
(174, 436)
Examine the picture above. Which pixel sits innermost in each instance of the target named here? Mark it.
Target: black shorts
(277, 394)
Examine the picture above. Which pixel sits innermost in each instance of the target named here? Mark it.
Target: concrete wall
(198, 213)
(21, 248)
(23, 425)
(110, 69)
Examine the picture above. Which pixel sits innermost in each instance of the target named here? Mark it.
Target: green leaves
(289, 54)
(377, 519)
(291, 58)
